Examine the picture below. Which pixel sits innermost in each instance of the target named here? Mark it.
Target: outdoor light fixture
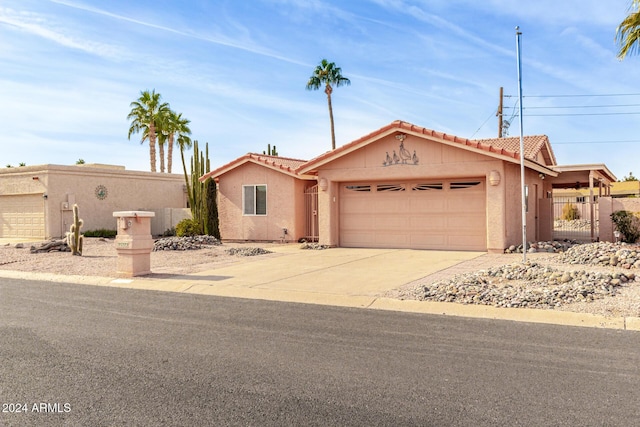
(494, 178)
(541, 175)
(616, 235)
(323, 184)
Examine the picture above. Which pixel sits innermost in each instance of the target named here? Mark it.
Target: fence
(574, 218)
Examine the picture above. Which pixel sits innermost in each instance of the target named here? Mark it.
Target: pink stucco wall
(436, 161)
(285, 205)
(607, 206)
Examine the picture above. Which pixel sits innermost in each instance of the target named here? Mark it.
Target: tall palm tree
(628, 32)
(174, 125)
(327, 74)
(146, 113)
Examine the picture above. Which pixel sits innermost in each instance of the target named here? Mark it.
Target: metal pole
(522, 183)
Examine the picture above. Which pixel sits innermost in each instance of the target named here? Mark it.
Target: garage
(438, 214)
(22, 216)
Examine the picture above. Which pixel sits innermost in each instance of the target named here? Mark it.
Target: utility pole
(499, 113)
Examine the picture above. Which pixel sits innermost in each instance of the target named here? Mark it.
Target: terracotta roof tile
(532, 144)
(284, 164)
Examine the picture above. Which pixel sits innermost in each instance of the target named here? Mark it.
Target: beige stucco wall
(436, 161)
(285, 205)
(66, 185)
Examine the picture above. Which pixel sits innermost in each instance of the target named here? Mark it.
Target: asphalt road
(82, 355)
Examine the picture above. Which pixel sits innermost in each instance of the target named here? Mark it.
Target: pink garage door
(421, 215)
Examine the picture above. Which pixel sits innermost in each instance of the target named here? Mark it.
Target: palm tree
(327, 74)
(146, 113)
(628, 32)
(174, 125)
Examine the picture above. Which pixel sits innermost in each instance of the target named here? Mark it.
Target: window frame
(254, 212)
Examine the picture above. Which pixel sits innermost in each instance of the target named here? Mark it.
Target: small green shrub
(628, 224)
(570, 212)
(188, 227)
(102, 232)
(169, 232)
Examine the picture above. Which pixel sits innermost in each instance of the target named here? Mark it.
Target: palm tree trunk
(161, 150)
(328, 91)
(170, 153)
(152, 146)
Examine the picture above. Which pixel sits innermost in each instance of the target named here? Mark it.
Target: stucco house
(36, 201)
(401, 186)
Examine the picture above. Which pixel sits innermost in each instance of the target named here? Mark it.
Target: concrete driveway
(329, 276)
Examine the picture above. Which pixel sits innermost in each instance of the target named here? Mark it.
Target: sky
(69, 70)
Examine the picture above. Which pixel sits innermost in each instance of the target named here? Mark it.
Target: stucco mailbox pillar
(134, 243)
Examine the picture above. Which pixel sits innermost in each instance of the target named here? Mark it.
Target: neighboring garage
(445, 214)
(22, 216)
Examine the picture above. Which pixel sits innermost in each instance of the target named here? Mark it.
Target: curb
(562, 318)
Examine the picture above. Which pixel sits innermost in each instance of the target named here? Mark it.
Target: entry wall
(607, 206)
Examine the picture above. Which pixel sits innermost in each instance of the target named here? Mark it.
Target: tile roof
(282, 164)
(532, 145)
(501, 146)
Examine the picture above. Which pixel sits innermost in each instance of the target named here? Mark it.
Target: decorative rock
(184, 243)
(545, 286)
(247, 251)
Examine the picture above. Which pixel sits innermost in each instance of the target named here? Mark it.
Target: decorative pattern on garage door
(421, 215)
(22, 216)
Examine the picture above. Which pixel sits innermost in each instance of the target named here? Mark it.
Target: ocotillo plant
(74, 238)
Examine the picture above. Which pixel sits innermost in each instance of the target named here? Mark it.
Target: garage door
(421, 215)
(22, 216)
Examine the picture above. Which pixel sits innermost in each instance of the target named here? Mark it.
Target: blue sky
(237, 69)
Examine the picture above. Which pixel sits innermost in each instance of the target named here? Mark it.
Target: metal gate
(311, 214)
(575, 218)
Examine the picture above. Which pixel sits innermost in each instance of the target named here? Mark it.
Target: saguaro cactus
(74, 238)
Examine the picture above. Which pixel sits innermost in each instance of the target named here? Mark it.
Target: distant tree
(9, 165)
(22, 164)
(628, 32)
(80, 162)
(630, 177)
(146, 113)
(174, 125)
(328, 75)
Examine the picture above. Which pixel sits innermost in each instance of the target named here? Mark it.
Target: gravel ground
(99, 258)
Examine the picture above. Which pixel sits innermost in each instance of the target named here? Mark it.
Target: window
(358, 187)
(426, 187)
(390, 187)
(461, 185)
(254, 199)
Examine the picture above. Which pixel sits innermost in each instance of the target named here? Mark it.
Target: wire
(574, 96)
(597, 142)
(582, 114)
(586, 106)
(485, 122)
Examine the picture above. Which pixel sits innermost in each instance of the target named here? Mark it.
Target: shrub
(188, 227)
(570, 212)
(628, 224)
(169, 232)
(102, 232)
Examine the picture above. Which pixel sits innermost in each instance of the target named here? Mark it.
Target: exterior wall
(607, 206)
(436, 161)
(513, 206)
(65, 185)
(285, 205)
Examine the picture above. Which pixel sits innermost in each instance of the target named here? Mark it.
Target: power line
(597, 142)
(586, 106)
(582, 114)
(575, 96)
